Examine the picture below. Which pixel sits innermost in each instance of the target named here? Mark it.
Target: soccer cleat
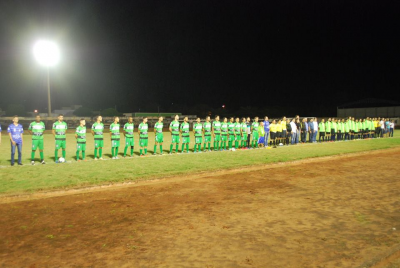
(116, 157)
(20, 164)
(101, 158)
(33, 163)
(95, 159)
(42, 162)
(154, 154)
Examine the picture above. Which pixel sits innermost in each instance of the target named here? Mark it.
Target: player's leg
(126, 146)
(57, 146)
(64, 145)
(77, 152)
(41, 147)
(83, 152)
(34, 147)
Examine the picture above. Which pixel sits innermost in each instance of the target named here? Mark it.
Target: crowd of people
(227, 134)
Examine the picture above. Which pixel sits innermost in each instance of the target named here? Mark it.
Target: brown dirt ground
(335, 212)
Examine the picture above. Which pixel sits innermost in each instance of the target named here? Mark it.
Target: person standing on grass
(80, 136)
(315, 130)
(97, 132)
(390, 133)
(311, 130)
(284, 129)
(288, 132)
(278, 134)
(224, 133)
(216, 128)
(303, 130)
(198, 134)
(273, 129)
(158, 134)
(231, 133)
(321, 128)
(36, 129)
(60, 135)
(143, 130)
(248, 122)
(346, 130)
(128, 133)
(328, 130)
(115, 137)
(293, 131)
(261, 133)
(266, 130)
(387, 127)
(174, 129)
(185, 128)
(238, 128)
(254, 131)
(243, 133)
(15, 132)
(207, 134)
(298, 130)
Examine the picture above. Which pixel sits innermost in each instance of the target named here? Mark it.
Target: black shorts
(322, 134)
(273, 135)
(328, 133)
(279, 135)
(333, 131)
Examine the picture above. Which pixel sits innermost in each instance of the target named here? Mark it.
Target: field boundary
(11, 198)
(383, 259)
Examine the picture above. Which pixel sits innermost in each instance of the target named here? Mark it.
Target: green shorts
(143, 142)
(255, 136)
(37, 144)
(207, 138)
(224, 137)
(198, 139)
(217, 137)
(231, 137)
(238, 137)
(114, 143)
(185, 139)
(81, 146)
(129, 141)
(244, 137)
(175, 138)
(61, 144)
(159, 138)
(98, 143)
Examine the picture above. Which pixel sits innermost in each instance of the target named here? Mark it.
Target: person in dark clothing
(288, 131)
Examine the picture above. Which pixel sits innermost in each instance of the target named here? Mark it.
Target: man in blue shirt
(266, 130)
(15, 131)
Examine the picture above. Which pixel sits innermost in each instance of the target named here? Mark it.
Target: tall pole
(48, 92)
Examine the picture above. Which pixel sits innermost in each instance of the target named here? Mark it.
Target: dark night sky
(147, 53)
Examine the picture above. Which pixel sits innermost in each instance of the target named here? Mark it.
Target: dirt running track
(334, 212)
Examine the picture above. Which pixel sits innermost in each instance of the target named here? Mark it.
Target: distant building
(370, 108)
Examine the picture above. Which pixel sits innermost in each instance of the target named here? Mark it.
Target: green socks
(140, 151)
(132, 150)
(41, 156)
(145, 150)
(161, 149)
(95, 153)
(170, 148)
(155, 148)
(187, 147)
(77, 155)
(100, 152)
(125, 149)
(63, 153)
(112, 151)
(56, 154)
(32, 155)
(176, 148)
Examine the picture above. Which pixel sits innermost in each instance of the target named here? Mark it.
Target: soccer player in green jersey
(158, 133)
(254, 130)
(185, 134)
(128, 132)
(237, 129)
(216, 128)
(80, 136)
(115, 137)
(224, 133)
(59, 132)
(198, 134)
(143, 136)
(174, 129)
(231, 132)
(243, 133)
(97, 132)
(36, 129)
(207, 134)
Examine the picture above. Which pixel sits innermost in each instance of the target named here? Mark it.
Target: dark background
(265, 57)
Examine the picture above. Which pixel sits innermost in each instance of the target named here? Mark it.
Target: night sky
(183, 55)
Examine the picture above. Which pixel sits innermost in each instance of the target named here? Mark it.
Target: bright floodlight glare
(46, 53)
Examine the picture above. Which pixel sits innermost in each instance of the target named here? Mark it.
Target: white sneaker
(101, 158)
(95, 159)
(33, 163)
(116, 157)
(113, 157)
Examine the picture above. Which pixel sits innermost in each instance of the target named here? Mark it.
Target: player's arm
(138, 130)
(12, 141)
(212, 128)
(170, 129)
(30, 129)
(92, 131)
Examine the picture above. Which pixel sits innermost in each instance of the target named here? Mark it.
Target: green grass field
(28, 178)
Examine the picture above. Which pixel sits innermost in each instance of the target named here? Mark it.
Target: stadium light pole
(47, 54)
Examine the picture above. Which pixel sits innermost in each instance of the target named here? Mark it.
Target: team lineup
(232, 134)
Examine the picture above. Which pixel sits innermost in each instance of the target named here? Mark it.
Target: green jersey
(60, 129)
(217, 127)
(322, 127)
(81, 134)
(159, 127)
(198, 127)
(114, 129)
(237, 128)
(346, 127)
(37, 130)
(98, 129)
(224, 128)
(231, 128)
(207, 128)
(261, 131)
(144, 128)
(254, 127)
(328, 126)
(185, 129)
(128, 128)
(244, 128)
(174, 127)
